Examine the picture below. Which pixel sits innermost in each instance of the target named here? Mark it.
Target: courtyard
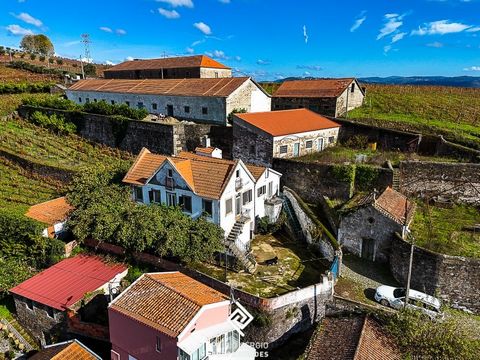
(297, 267)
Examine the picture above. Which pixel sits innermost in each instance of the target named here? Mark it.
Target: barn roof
(66, 282)
(318, 88)
(212, 87)
(285, 122)
(165, 301)
(50, 212)
(168, 63)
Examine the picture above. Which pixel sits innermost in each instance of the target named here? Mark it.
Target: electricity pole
(81, 64)
(412, 247)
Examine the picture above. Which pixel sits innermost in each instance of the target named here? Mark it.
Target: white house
(260, 137)
(231, 194)
(206, 100)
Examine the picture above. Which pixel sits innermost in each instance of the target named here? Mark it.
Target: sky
(266, 39)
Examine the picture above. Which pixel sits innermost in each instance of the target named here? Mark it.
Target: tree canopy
(37, 44)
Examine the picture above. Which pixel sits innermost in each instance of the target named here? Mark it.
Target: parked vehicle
(395, 298)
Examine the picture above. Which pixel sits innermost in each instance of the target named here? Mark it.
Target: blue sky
(268, 39)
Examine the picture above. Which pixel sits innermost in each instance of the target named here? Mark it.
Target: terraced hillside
(39, 148)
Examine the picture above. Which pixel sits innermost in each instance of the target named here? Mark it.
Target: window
(50, 312)
(87, 100)
(170, 173)
(204, 110)
(140, 105)
(216, 74)
(309, 144)
(155, 196)
(200, 353)
(112, 102)
(228, 206)
(171, 199)
(247, 197)
(158, 345)
(283, 149)
(207, 207)
(186, 203)
(331, 139)
(270, 189)
(233, 341)
(252, 150)
(237, 173)
(186, 109)
(353, 88)
(94, 100)
(29, 304)
(79, 99)
(261, 191)
(218, 345)
(127, 103)
(138, 194)
(154, 106)
(114, 355)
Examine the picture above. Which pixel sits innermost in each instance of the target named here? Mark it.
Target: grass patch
(452, 112)
(443, 230)
(7, 308)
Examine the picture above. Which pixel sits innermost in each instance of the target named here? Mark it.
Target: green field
(452, 112)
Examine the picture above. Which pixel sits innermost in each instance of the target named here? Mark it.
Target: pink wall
(130, 337)
(208, 318)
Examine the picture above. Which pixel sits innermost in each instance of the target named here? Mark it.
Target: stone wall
(220, 137)
(457, 182)
(454, 279)
(251, 144)
(323, 106)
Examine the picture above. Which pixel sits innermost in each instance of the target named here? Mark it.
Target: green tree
(90, 69)
(37, 44)
(12, 272)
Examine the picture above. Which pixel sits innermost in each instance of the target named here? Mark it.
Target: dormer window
(237, 174)
(170, 173)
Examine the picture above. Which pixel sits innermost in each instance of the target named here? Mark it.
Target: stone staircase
(238, 249)
(20, 335)
(396, 180)
(292, 218)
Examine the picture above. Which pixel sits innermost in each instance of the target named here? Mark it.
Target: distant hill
(458, 81)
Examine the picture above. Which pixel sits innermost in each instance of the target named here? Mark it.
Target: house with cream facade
(231, 194)
(260, 137)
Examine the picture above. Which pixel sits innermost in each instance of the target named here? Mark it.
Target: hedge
(25, 87)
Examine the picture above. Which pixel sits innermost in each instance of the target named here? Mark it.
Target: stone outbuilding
(260, 137)
(208, 101)
(368, 226)
(330, 97)
(68, 350)
(55, 302)
(180, 67)
(53, 214)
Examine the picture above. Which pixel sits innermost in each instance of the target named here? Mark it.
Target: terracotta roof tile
(205, 150)
(394, 204)
(169, 63)
(285, 122)
(50, 212)
(70, 350)
(376, 344)
(166, 301)
(212, 87)
(313, 88)
(207, 176)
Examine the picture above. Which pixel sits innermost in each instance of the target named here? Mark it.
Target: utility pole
(412, 247)
(346, 110)
(81, 65)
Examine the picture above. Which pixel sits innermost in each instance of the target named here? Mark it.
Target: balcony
(238, 184)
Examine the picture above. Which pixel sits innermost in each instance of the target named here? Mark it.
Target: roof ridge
(140, 156)
(359, 341)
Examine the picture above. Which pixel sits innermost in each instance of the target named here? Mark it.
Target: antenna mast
(86, 42)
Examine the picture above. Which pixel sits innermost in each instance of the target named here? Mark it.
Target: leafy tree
(37, 44)
(33, 56)
(59, 62)
(12, 272)
(90, 69)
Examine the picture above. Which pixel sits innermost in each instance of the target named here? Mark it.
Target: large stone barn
(260, 137)
(181, 67)
(199, 100)
(330, 97)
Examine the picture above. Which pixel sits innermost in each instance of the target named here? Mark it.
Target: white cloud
(189, 50)
(29, 19)
(305, 35)
(218, 54)
(169, 14)
(443, 27)
(359, 21)
(398, 37)
(310, 67)
(106, 29)
(121, 32)
(129, 58)
(17, 30)
(238, 58)
(472, 68)
(435, 44)
(392, 23)
(178, 3)
(263, 62)
(108, 62)
(306, 73)
(204, 28)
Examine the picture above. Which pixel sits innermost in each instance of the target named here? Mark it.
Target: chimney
(205, 141)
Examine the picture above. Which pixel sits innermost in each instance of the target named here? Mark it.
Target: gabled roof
(69, 350)
(165, 301)
(208, 87)
(206, 176)
(318, 88)
(168, 63)
(286, 122)
(66, 282)
(50, 212)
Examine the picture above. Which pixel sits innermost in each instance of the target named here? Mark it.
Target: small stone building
(48, 303)
(181, 67)
(330, 97)
(260, 137)
(208, 101)
(53, 214)
(368, 226)
(68, 350)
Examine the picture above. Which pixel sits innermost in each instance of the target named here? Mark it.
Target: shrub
(24, 87)
(50, 61)
(103, 108)
(365, 176)
(357, 142)
(59, 62)
(53, 102)
(265, 227)
(19, 64)
(13, 271)
(42, 58)
(33, 56)
(54, 122)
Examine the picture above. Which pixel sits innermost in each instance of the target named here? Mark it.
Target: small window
(94, 100)
(204, 110)
(331, 139)
(185, 203)
(207, 207)
(154, 106)
(170, 173)
(283, 149)
(261, 191)
(155, 196)
(158, 345)
(252, 150)
(228, 206)
(80, 99)
(87, 100)
(138, 194)
(50, 312)
(187, 74)
(371, 220)
(29, 304)
(353, 88)
(216, 74)
(247, 197)
(127, 103)
(186, 109)
(140, 105)
(237, 173)
(309, 144)
(112, 102)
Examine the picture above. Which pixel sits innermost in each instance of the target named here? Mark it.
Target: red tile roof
(169, 63)
(165, 301)
(205, 150)
(212, 87)
(50, 212)
(66, 282)
(69, 350)
(285, 122)
(206, 176)
(394, 205)
(318, 88)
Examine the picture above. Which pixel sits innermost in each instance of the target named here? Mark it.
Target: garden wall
(454, 279)
(456, 182)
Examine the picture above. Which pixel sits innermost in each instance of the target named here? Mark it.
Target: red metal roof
(66, 282)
